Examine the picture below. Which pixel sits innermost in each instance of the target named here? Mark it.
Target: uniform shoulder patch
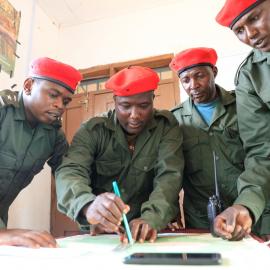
(8, 97)
(236, 78)
(177, 108)
(91, 123)
(232, 92)
(166, 114)
(105, 119)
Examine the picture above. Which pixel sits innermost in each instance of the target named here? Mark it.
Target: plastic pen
(117, 193)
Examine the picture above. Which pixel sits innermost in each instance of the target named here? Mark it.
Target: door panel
(74, 116)
(101, 102)
(165, 97)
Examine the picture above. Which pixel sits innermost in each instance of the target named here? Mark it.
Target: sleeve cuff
(2, 224)
(79, 205)
(153, 220)
(255, 206)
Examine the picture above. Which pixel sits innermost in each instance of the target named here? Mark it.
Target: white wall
(38, 37)
(161, 30)
(166, 29)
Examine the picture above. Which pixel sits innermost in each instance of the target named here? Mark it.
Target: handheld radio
(214, 206)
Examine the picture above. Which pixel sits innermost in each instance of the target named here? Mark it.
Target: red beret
(193, 57)
(133, 80)
(57, 72)
(233, 10)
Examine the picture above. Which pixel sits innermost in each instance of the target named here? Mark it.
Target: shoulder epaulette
(8, 97)
(106, 114)
(106, 117)
(177, 107)
(232, 92)
(166, 114)
(240, 66)
(92, 122)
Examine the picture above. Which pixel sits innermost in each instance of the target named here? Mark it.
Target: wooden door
(166, 96)
(93, 103)
(100, 102)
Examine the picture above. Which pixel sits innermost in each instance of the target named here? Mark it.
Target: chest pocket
(7, 171)
(7, 162)
(104, 172)
(35, 169)
(108, 168)
(144, 164)
(192, 154)
(233, 145)
(231, 132)
(143, 172)
(265, 96)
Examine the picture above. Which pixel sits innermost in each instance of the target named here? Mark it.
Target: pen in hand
(128, 232)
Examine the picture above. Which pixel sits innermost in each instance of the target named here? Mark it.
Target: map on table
(169, 242)
(106, 251)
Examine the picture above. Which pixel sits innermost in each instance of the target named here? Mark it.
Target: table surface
(106, 251)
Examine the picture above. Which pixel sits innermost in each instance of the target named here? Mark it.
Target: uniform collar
(111, 121)
(260, 56)
(226, 98)
(20, 113)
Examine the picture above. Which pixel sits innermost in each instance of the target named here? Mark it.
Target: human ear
(215, 71)
(27, 86)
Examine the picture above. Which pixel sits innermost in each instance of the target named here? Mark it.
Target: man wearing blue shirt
(209, 122)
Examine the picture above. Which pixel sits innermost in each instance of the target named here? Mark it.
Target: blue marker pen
(117, 193)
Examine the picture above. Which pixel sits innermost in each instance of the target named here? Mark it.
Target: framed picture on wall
(9, 29)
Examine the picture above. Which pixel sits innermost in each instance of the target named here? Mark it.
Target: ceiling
(65, 13)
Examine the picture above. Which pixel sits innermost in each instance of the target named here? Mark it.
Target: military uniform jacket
(253, 106)
(199, 142)
(149, 180)
(23, 150)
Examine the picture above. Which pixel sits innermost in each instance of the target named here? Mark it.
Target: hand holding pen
(141, 230)
(125, 221)
(106, 211)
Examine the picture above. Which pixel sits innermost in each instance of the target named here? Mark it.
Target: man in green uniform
(250, 22)
(209, 123)
(135, 145)
(30, 135)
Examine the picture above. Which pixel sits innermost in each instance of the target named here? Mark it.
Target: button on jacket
(149, 180)
(253, 107)
(23, 150)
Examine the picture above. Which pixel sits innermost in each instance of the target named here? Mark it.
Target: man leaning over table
(136, 145)
(30, 135)
(250, 22)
